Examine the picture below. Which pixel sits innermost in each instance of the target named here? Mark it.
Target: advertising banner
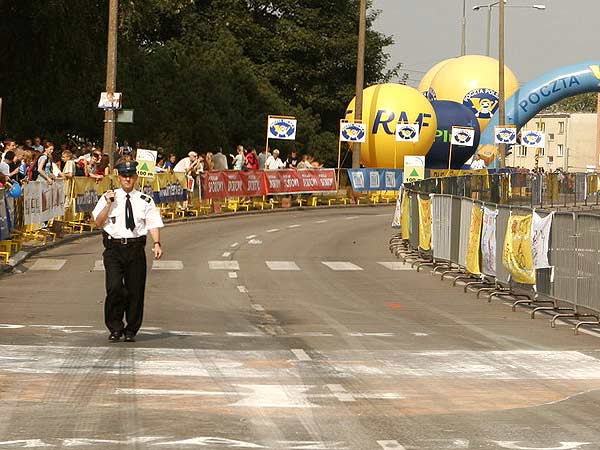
(505, 135)
(407, 132)
(43, 202)
(168, 188)
(353, 132)
(397, 219)
(518, 255)
(405, 219)
(474, 240)
(32, 202)
(424, 223)
(540, 239)
(463, 136)
(534, 139)
(282, 128)
(488, 242)
(375, 179)
(87, 191)
(299, 181)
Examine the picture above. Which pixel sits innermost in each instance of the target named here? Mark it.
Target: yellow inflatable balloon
(473, 81)
(384, 106)
(425, 83)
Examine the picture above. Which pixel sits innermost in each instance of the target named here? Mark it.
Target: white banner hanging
(488, 242)
(540, 239)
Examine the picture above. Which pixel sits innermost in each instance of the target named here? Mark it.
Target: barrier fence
(503, 236)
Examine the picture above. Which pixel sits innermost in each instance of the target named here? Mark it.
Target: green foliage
(584, 103)
(198, 73)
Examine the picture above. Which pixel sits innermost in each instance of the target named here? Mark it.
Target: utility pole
(501, 93)
(463, 40)
(360, 77)
(111, 81)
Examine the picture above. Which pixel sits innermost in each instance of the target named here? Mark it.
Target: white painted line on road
(352, 217)
(98, 266)
(391, 445)
(235, 244)
(274, 396)
(232, 274)
(244, 334)
(226, 254)
(252, 236)
(223, 265)
(358, 334)
(167, 265)
(257, 307)
(340, 393)
(420, 334)
(312, 334)
(127, 391)
(395, 265)
(301, 355)
(383, 215)
(48, 264)
(341, 265)
(322, 221)
(295, 226)
(282, 265)
(254, 242)
(273, 230)
(242, 289)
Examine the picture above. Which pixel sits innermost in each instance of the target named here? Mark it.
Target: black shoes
(115, 336)
(129, 338)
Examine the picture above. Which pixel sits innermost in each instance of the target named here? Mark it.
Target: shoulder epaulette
(146, 198)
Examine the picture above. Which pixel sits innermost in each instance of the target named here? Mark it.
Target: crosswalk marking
(321, 221)
(226, 254)
(48, 264)
(295, 226)
(341, 265)
(395, 265)
(242, 289)
(223, 265)
(167, 265)
(282, 265)
(391, 445)
(273, 230)
(232, 274)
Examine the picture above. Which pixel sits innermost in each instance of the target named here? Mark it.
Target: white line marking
(301, 354)
(252, 236)
(257, 307)
(396, 265)
(242, 289)
(341, 265)
(514, 445)
(282, 265)
(254, 242)
(358, 334)
(244, 334)
(232, 274)
(273, 230)
(383, 215)
(420, 334)
(98, 266)
(340, 393)
(295, 226)
(352, 217)
(127, 391)
(48, 264)
(235, 244)
(167, 265)
(223, 265)
(322, 221)
(391, 445)
(275, 396)
(226, 254)
(313, 334)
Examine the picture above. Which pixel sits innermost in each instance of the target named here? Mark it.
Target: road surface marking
(275, 396)
(396, 265)
(48, 264)
(273, 230)
(352, 217)
(245, 334)
(232, 274)
(223, 265)
(235, 244)
(355, 334)
(514, 445)
(167, 265)
(282, 265)
(254, 242)
(391, 445)
(242, 289)
(341, 265)
(322, 221)
(301, 355)
(257, 307)
(340, 393)
(226, 254)
(295, 226)
(252, 236)
(98, 266)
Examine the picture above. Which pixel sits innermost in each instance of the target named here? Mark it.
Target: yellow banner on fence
(518, 255)
(424, 223)
(438, 173)
(406, 220)
(474, 244)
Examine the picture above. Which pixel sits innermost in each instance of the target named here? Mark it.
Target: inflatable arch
(540, 93)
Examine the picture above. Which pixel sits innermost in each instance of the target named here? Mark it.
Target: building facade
(571, 143)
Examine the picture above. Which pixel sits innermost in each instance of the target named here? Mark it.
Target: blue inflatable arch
(542, 92)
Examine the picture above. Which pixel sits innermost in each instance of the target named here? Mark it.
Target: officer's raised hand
(110, 196)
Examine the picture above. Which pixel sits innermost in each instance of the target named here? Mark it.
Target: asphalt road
(285, 331)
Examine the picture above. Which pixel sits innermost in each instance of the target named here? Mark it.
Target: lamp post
(360, 77)
(111, 81)
(489, 17)
(463, 41)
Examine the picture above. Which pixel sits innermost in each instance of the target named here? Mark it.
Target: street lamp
(489, 16)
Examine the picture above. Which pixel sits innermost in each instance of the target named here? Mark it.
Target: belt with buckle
(125, 241)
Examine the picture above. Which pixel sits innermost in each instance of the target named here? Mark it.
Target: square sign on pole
(536, 139)
(146, 162)
(407, 132)
(353, 132)
(414, 168)
(282, 128)
(505, 135)
(463, 136)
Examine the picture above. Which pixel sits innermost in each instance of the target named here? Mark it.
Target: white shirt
(183, 165)
(4, 168)
(274, 163)
(478, 164)
(145, 214)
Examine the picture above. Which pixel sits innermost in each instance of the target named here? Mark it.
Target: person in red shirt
(252, 160)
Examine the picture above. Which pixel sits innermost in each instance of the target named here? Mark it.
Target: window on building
(541, 151)
(561, 128)
(541, 126)
(550, 136)
(521, 151)
(560, 150)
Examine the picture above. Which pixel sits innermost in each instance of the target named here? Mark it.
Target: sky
(428, 31)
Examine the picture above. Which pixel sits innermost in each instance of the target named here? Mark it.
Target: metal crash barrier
(532, 239)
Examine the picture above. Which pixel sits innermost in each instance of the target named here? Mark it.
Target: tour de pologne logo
(531, 138)
(353, 133)
(282, 128)
(406, 133)
(483, 102)
(506, 136)
(462, 137)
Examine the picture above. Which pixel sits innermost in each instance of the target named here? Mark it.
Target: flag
(424, 223)
(463, 136)
(353, 132)
(533, 139)
(407, 132)
(540, 239)
(505, 135)
(488, 241)
(282, 128)
(518, 255)
(474, 240)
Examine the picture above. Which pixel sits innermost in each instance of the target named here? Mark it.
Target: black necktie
(129, 222)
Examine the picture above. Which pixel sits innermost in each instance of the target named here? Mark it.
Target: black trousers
(125, 271)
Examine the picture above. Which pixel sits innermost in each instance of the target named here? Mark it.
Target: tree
(584, 103)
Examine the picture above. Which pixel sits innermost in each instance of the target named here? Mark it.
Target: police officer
(126, 216)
